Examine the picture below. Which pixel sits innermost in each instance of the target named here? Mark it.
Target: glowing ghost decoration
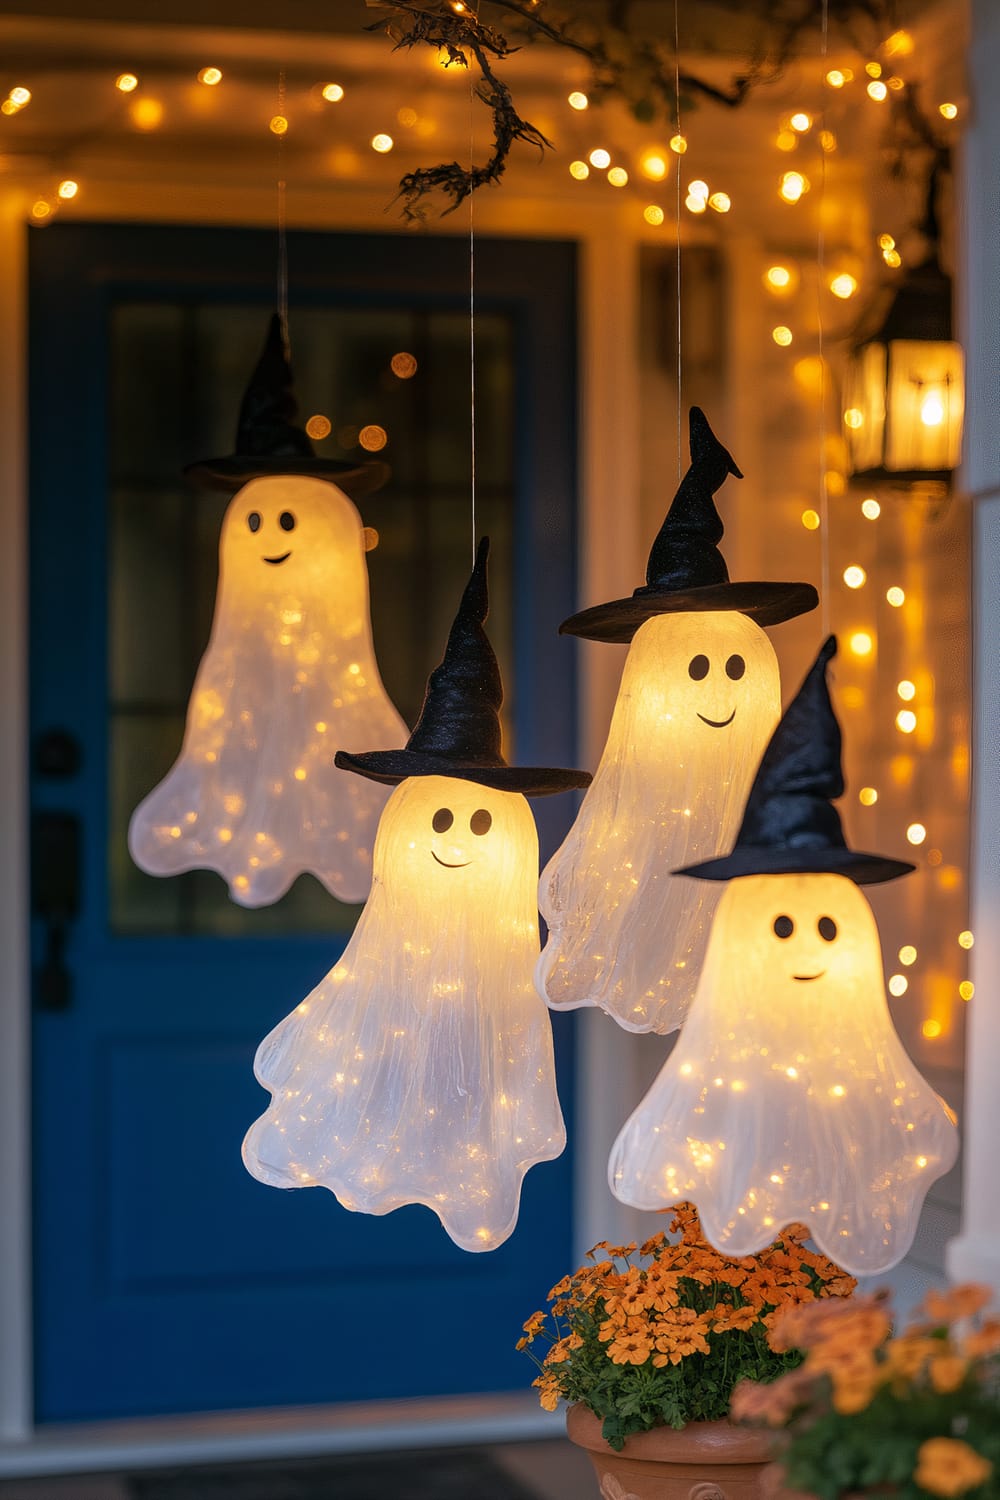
(421, 1069)
(789, 1096)
(289, 675)
(699, 698)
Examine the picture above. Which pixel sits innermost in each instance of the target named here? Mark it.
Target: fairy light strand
(677, 228)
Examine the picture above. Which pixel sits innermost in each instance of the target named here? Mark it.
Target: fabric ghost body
(288, 677)
(789, 1096)
(421, 1069)
(699, 698)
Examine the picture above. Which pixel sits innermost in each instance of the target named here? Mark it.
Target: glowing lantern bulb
(699, 696)
(420, 1070)
(291, 648)
(789, 1096)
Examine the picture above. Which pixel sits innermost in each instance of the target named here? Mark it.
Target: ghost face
(288, 678)
(421, 1070)
(789, 1096)
(699, 700)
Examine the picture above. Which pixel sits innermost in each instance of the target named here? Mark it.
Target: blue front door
(166, 1278)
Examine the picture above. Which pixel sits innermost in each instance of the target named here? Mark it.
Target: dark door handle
(55, 900)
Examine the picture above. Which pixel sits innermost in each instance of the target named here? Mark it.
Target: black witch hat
(268, 439)
(790, 826)
(686, 571)
(458, 732)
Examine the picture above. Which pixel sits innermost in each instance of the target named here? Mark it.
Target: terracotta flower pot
(703, 1461)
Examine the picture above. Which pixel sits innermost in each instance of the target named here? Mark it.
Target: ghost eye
(698, 667)
(827, 929)
(286, 521)
(253, 520)
(442, 820)
(481, 821)
(735, 667)
(783, 927)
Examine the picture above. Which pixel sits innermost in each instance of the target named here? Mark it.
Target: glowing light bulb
(695, 205)
(886, 242)
(855, 576)
(68, 189)
(382, 143)
(916, 833)
(793, 185)
(877, 90)
(332, 93)
(932, 410)
(618, 177)
(801, 122)
(836, 79)
(873, 69)
(211, 76)
(698, 189)
(373, 438)
(126, 82)
(16, 99)
(827, 140)
(721, 202)
(810, 520)
(678, 144)
(145, 113)
(895, 596)
(578, 100)
(854, 418)
(908, 954)
(653, 214)
(868, 796)
(931, 1028)
(41, 211)
(407, 117)
(861, 643)
(965, 939)
(579, 170)
(844, 286)
(403, 365)
(906, 721)
(906, 690)
(892, 258)
(898, 984)
(600, 158)
(870, 509)
(782, 335)
(778, 278)
(278, 125)
(900, 44)
(948, 111)
(318, 427)
(653, 165)
(967, 989)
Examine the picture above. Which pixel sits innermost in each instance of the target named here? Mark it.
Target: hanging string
(472, 305)
(282, 293)
(824, 500)
(677, 229)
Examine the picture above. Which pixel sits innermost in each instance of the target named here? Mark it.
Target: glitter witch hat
(269, 440)
(458, 732)
(790, 826)
(686, 571)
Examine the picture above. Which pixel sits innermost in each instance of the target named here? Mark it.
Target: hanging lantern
(904, 390)
(699, 697)
(288, 675)
(789, 1096)
(420, 1070)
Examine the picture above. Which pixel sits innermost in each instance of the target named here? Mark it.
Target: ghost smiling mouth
(447, 866)
(284, 558)
(718, 723)
(809, 976)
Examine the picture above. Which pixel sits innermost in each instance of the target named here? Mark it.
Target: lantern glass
(420, 1070)
(789, 1096)
(904, 406)
(288, 678)
(699, 699)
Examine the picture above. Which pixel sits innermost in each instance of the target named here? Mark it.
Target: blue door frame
(166, 1279)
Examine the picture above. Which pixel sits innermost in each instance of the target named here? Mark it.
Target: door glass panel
(178, 372)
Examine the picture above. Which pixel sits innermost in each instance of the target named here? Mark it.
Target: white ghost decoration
(421, 1070)
(789, 1096)
(699, 699)
(289, 677)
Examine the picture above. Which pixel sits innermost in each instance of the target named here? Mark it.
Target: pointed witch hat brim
(790, 826)
(458, 732)
(269, 441)
(686, 572)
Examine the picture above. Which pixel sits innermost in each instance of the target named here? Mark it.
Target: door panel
(166, 1278)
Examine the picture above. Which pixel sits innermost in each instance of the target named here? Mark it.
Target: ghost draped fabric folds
(289, 676)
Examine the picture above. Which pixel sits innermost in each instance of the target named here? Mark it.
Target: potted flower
(648, 1348)
(914, 1414)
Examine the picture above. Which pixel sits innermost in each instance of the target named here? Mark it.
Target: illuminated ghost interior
(789, 1095)
(421, 1070)
(699, 699)
(289, 677)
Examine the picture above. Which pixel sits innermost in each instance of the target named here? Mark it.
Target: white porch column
(975, 1255)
